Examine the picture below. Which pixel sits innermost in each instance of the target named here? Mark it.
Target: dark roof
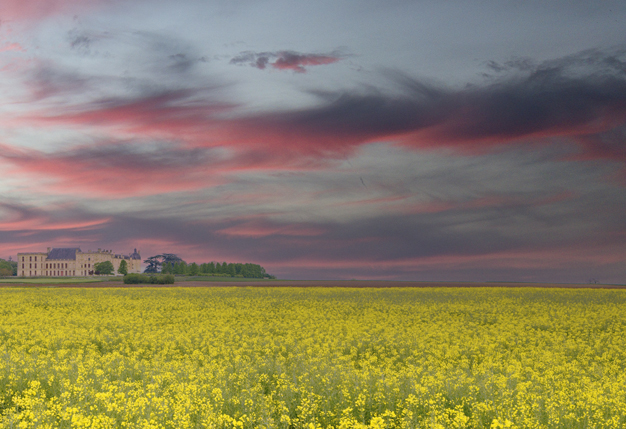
(135, 255)
(63, 253)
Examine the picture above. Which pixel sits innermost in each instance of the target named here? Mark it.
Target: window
(35, 261)
(22, 264)
(22, 259)
(31, 259)
(31, 266)
(35, 267)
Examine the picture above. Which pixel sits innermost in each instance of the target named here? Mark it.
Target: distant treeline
(249, 271)
(169, 263)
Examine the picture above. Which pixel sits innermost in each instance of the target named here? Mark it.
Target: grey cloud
(567, 97)
(140, 156)
(254, 59)
(590, 61)
(181, 63)
(134, 156)
(80, 42)
(48, 81)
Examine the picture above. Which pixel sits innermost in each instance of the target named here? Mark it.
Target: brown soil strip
(326, 283)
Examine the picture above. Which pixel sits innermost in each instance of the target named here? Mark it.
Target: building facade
(72, 262)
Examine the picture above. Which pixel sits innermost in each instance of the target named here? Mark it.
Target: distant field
(312, 357)
(59, 280)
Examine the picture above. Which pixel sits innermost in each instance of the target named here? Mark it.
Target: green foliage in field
(312, 358)
(161, 279)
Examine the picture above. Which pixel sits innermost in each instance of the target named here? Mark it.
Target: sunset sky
(401, 140)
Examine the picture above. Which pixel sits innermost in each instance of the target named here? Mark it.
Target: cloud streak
(556, 99)
(117, 170)
(552, 100)
(285, 60)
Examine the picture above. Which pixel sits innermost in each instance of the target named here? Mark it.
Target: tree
(154, 264)
(230, 270)
(170, 258)
(6, 269)
(13, 265)
(105, 268)
(194, 270)
(123, 269)
(157, 261)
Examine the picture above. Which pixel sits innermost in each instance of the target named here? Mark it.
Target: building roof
(64, 253)
(135, 255)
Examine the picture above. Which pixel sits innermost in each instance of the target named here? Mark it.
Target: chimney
(48, 250)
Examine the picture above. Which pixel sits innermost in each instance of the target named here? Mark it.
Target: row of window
(50, 266)
(31, 260)
(59, 273)
(56, 266)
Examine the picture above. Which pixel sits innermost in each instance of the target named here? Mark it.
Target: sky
(400, 140)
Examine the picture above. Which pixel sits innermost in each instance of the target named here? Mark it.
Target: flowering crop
(312, 358)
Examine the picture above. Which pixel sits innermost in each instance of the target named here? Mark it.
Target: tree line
(169, 263)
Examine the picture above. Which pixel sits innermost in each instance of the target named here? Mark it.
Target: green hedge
(148, 279)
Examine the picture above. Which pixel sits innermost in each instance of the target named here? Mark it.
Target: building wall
(31, 264)
(37, 264)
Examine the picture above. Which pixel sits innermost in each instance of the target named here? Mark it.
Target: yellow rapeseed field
(312, 358)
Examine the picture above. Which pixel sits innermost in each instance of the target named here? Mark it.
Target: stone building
(72, 262)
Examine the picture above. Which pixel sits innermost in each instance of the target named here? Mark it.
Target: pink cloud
(12, 47)
(297, 62)
(285, 60)
(27, 220)
(37, 9)
(110, 172)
